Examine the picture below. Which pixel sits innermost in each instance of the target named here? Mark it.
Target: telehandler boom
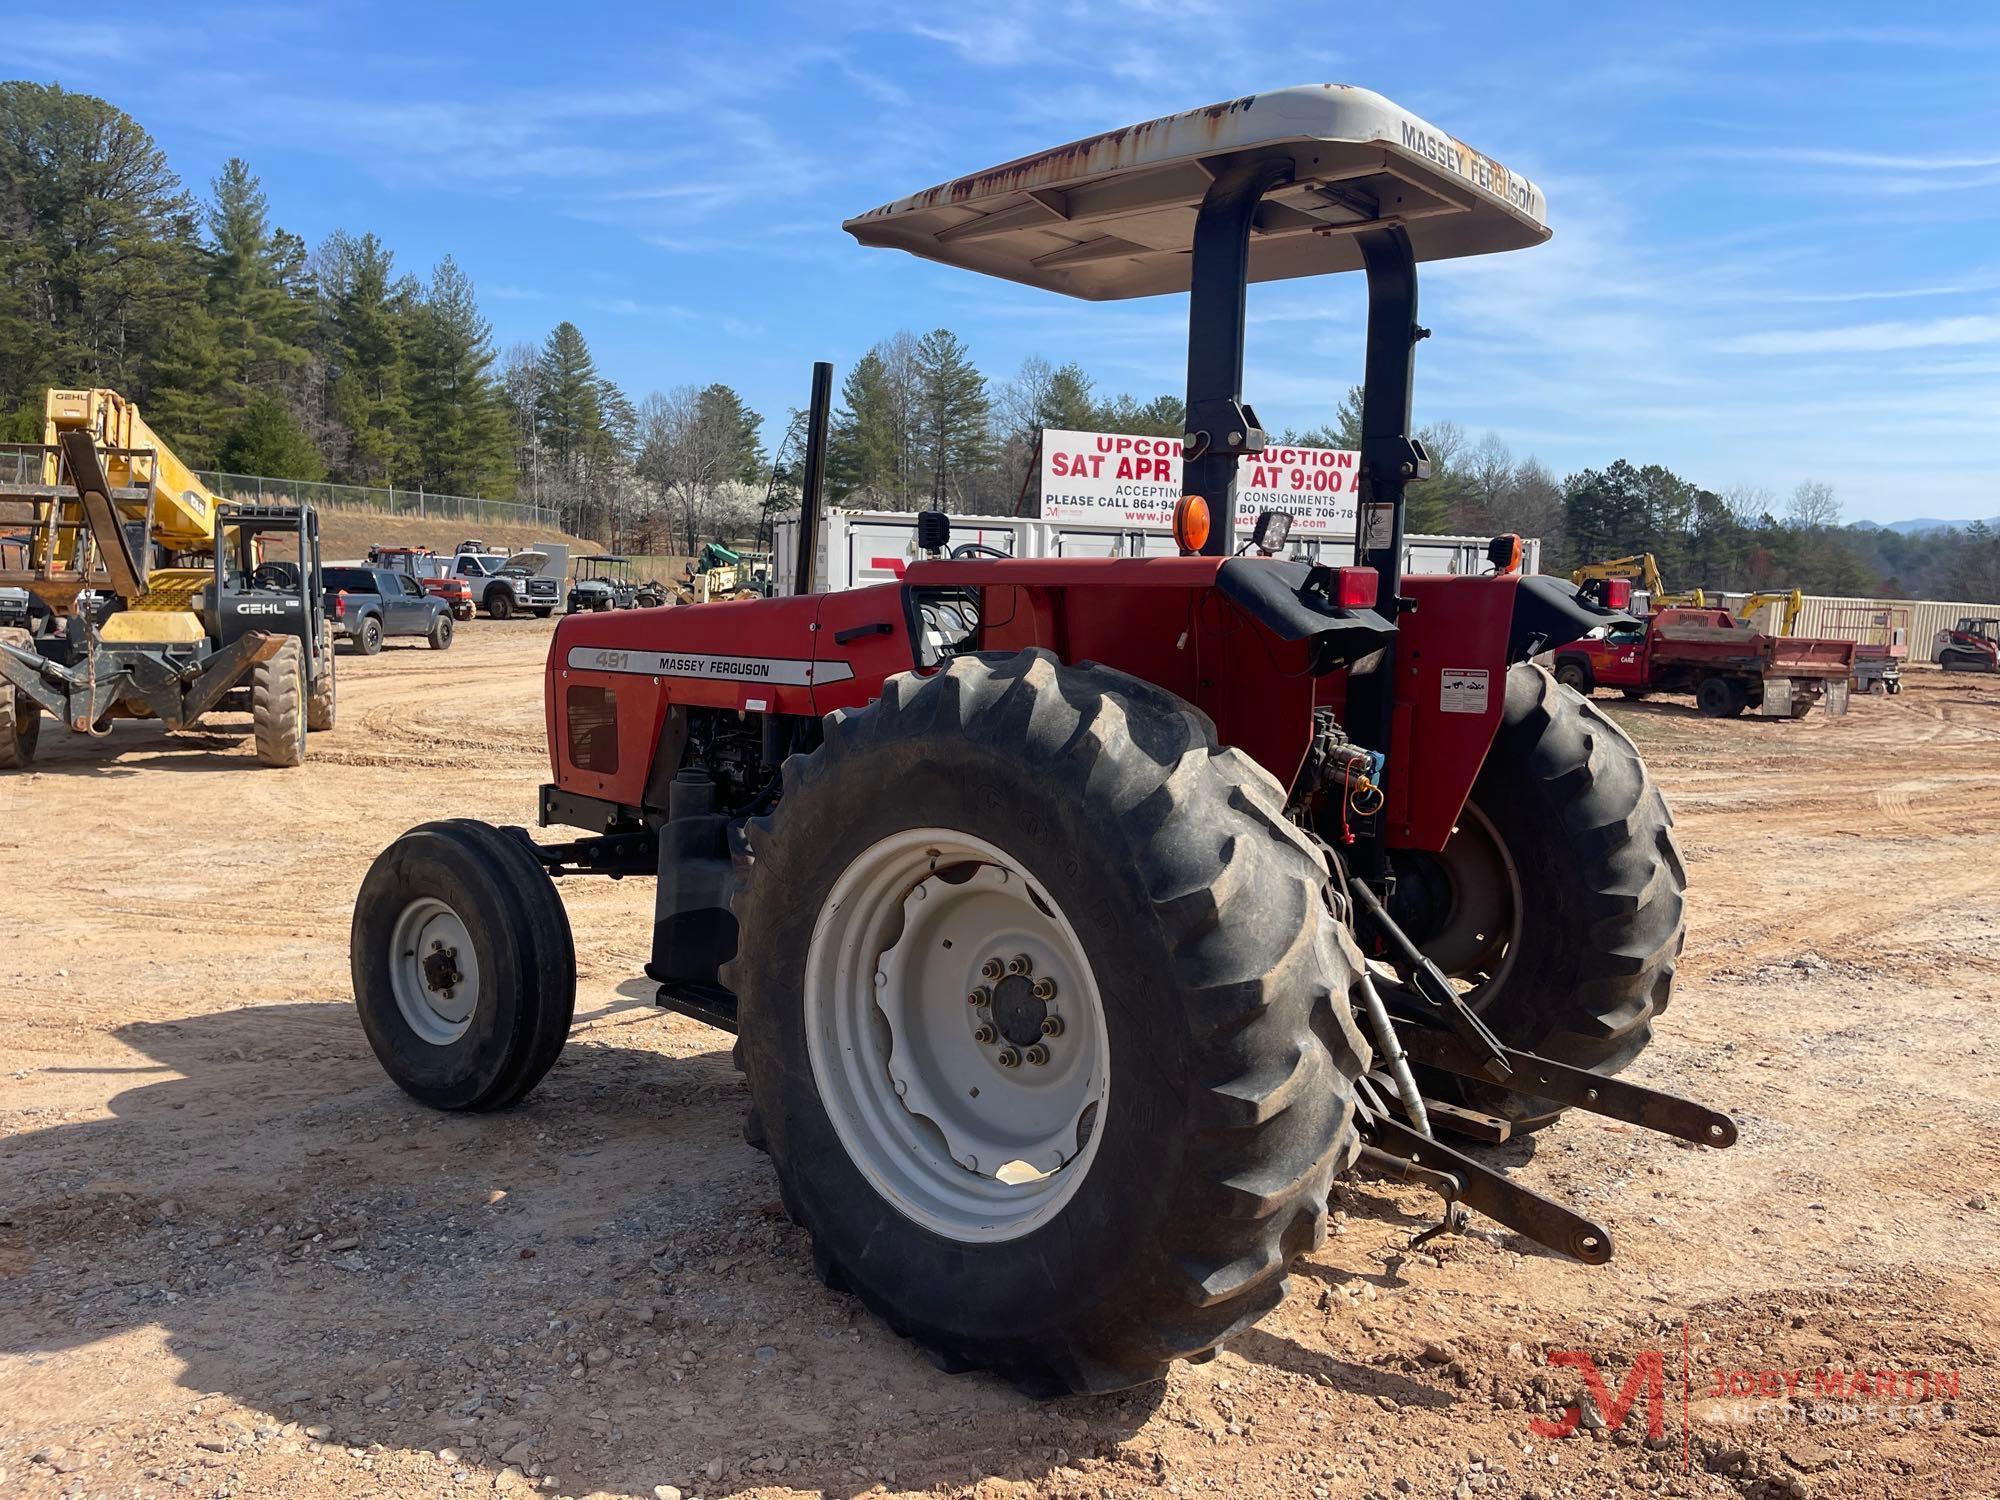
(174, 599)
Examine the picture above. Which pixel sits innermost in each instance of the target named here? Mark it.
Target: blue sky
(1775, 255)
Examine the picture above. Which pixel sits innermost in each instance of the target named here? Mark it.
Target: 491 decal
(786, 671)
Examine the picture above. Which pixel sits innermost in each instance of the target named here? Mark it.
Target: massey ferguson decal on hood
(779, 670)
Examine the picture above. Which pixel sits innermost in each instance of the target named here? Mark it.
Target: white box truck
(860, 547)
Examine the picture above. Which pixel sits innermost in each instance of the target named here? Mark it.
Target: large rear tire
(463, 965)
(1086, 823)
(1577, 956)
(322, 706)
(277, 705)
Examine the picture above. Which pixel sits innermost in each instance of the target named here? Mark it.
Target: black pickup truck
(365, 604)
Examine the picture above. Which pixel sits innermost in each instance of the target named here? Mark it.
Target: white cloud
(1868, 338)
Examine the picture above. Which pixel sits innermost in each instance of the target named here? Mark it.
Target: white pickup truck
(521, 583)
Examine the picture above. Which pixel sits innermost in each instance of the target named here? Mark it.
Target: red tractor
(1081, 920)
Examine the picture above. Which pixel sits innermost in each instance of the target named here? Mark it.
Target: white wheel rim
(433, 971)
(917, 1079)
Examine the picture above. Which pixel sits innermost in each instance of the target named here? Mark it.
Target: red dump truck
(1728, 667)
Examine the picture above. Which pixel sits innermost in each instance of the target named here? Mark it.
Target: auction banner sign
(1106, 476)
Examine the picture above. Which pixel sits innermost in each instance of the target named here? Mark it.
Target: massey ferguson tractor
(1080, 921)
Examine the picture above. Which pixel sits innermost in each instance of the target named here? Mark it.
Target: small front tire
(321, 708)
(500, 605)
(441, 632)
(20, 715)
(463, 965)
(1575, 676)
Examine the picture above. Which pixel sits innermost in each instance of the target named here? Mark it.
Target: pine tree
(584, 426)
(268, 441)
(954, 415)
(1163, 416)
(1066, 401)
(98, 253)
(737, 430)
(569, 399)
(370, 318)
(460, 428)
(260, 321)
(863, 446)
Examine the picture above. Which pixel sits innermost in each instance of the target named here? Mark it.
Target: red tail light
(340, 605)
(1356, 588)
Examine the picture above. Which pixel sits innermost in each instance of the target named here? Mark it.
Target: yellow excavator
(1641, 569)
(171, 601)
(1794, 605)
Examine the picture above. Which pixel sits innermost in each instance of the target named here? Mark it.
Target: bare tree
(690, 458)
(1489, 478)
(1019, 404)
(1813, 506)
(1750, 503)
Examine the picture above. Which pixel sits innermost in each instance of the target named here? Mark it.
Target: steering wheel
(973, 549)
(273, 575)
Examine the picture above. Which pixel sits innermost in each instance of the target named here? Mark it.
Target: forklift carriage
(1081, 920)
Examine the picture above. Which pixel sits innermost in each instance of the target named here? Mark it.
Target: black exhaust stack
(813, 489)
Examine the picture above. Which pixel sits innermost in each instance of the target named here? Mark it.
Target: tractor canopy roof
(1113, 216)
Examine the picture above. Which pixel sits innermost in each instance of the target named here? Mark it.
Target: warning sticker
(1462, 690)
(1378, 528)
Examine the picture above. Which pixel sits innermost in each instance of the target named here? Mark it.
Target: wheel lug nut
(1052, 1026)
(1020, 963)
(1008, 1058)
(984, 1035)
(992, 968)
(1045, 989)
(1038, 1055)
(980, 996)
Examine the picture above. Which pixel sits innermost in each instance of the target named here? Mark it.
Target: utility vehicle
(604, 581)
(1080, 920)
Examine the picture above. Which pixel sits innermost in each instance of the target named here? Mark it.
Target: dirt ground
(235, 1261)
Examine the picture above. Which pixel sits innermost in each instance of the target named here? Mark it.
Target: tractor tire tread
(277, 705)
(1268, 1098)
(1624, 913)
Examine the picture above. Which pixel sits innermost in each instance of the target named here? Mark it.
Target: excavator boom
(1641, 568)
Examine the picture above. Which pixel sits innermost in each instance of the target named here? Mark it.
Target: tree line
(255, 353)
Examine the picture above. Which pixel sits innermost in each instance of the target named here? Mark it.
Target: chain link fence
(392, 502)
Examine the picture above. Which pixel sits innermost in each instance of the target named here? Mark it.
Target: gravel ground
(235, 1261)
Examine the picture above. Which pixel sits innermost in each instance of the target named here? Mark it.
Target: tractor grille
(592, 715)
